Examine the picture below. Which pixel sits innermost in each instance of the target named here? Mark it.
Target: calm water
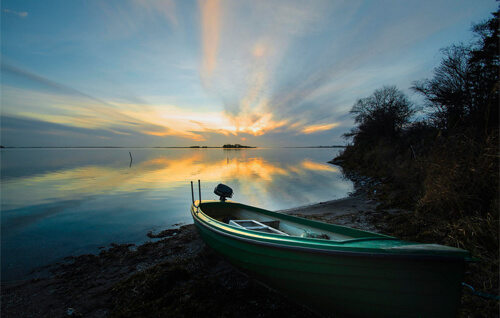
(60, 202)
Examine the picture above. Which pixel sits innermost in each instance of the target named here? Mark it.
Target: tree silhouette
(383, 114)
(464, 90)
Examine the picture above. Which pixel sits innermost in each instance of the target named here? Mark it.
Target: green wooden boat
(334, 270)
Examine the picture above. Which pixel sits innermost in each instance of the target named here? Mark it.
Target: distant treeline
(439, 159)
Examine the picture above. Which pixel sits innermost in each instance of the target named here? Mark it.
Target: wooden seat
(255, 226)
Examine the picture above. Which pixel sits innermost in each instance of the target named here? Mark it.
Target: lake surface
(61, 202)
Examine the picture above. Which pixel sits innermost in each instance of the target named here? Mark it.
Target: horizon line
(150, 147)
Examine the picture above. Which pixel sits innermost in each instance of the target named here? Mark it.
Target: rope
(476, 293)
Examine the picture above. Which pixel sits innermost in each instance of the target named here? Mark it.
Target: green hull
(369, 275)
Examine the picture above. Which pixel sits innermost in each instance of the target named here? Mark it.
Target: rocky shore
(175, 274)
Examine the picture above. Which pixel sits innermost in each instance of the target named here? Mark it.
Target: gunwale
(366, 244)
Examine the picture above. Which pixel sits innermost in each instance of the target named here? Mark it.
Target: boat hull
(343, 284)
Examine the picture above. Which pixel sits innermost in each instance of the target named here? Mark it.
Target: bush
(461, 177)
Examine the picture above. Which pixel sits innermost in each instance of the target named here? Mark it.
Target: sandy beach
(174, 274)
(357, 212)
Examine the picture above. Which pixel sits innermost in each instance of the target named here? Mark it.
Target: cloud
(232, 69)
(297, 66)
(22, 14)
(248, 78)
(60, 104)
(316, 128)
(57, 103)
(166, 8)
(18, 131)
(31, 131)
(16, 71)
(210, 23)
(128, 19)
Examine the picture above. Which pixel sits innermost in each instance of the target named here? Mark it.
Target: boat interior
(251, 219)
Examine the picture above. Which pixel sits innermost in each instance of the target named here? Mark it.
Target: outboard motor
(223, 191)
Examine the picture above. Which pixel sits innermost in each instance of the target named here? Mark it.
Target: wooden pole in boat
(192, 192)
(199, 189)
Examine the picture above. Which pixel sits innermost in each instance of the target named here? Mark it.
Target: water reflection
(159, 173)
(60, 202)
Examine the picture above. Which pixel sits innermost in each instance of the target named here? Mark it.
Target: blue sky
(181, 73)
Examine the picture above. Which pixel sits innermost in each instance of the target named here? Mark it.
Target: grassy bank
(442, 165)
(450, 185)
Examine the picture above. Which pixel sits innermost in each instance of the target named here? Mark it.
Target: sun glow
(256, 124)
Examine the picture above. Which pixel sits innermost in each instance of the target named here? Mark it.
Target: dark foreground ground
(177, 275)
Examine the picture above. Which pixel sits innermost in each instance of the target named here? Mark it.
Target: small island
(231, 146)
(226, 146)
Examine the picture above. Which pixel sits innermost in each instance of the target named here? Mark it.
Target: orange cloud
(255, 116)
(317, 128)
(210, 19)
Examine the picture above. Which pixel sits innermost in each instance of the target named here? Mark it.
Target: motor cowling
(223, 191)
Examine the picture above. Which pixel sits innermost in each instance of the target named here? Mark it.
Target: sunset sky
(181, 73)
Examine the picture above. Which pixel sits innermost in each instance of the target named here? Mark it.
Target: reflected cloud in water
(163, 173)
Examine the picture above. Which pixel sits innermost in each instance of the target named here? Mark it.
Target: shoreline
(178, 266)
(336, 207)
